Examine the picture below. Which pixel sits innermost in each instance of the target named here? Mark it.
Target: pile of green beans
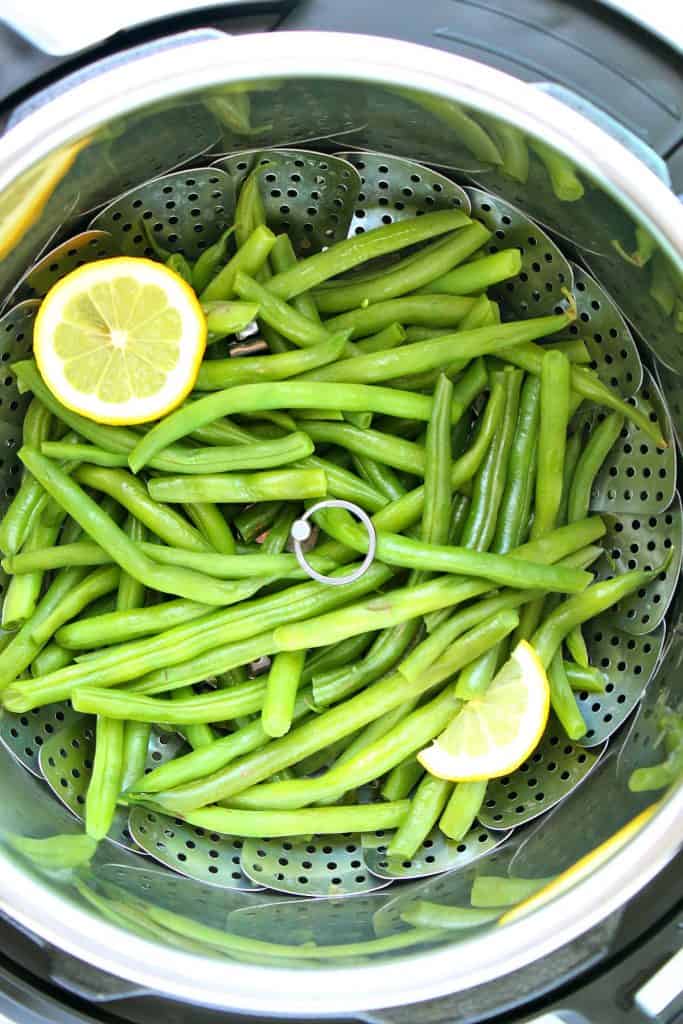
(397, 389)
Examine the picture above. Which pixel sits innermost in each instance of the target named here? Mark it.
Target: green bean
(408, 735)
(131, 592)
(336, 684)
(438, 352)
(425, 808)
(249, 211)
(512, 145)
(571, 457)
(477, 275)
(357, 250)
(563, 701)
(475, 677)
(210, 261)
(332, 725)
(656, 776)
(318, 820)
(198, 734)
(50, 659)
(573, 348)
(121, 626)
(276, 539)
(286, 320)
(393, 451)
(494, 891)
(224, 318)
(431, 263)
(282, 684)
(174, 646)
(105, 532)
(458, 122)
(582, 607)
(563, 178)
(489, 484)
(216, 706)
(83, 453)
(248, 259)
(23, 591)
(585, 383)
(600, 443)
(515, 506)
(222, 373)
(283, 257)
(576, 645)
(212, 525)
(380, 476)
(366, 737)
(133, 495)
(425, 914)
(60, 851)
(101, 581)
(136, 737)
(276, 395)
(460, 507)
(206, 760)
(105, 782)
(402, 779)
(328, 659)
(16, 522)
(585, 678)
(180, 266)
(437, 472)
(552, 433)
(462, 809)
(273, 485)
(389, 337)
(252, 521)
(445, 311)
(216, 662)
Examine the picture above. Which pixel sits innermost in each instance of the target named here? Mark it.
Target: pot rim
(437, 972)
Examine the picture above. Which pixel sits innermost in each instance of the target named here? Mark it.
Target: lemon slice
(120, 340)
(22, 203)
(583, 867)
(492, 735)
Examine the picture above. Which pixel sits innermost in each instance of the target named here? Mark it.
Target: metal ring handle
(301, 531)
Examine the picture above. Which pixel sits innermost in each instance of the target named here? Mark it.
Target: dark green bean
(357, 250)
(552, 434)
(335, 684)
(101, 581)
(286, 320)
(209, 262)
(271, 485)
(563, 700)
(437, 473)
(256, 518)
(23, 591)
(131, 592)
(600, 443)
(515, 506)
(432, 262)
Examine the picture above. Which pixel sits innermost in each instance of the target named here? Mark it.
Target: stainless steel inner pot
(183, 105)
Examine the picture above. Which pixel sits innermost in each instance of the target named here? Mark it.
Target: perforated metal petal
(182, 212)
(538, 289)
(194, 852)
(87, 247)
(556, 767)
(321, 866)
(24, 735)
(629, 663)
(606, 334)
(643, 542)
(436, 854)
(637, 477)
(16, 342)
(311, 196)
(66, 759)
(394, 189)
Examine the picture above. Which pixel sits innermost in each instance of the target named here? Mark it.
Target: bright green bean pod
(255, 519)
(215, 374)
(389, 337)
(380, 476)
(474, 679)
(224, 318)
(425, 808)
(318, 820)
(444, 311)
(283, 257)
(16, 521)
(563, 178)
(576, 645)
(402, 779)
(21, 596)
(462, 809)
(601, 441)
(282, 684)
(131, 592)
(209, 263)
(105, 782)
(216, 706)
(122, 626)
(171, 527)
(248, 259)
(97, 584)
(211, 523)
(393, 451)
(573, 348)
(437, 472)
(585, 678)
(489, 485)
(336, 684)
(429, 264)
(357, 250)
(276, 539)
(563, 701)
(98, 524)
(585, 383)
(478, 275)
(135, 745)
(515, 506)
(200, 763)
(197, 734)
(272, 485)
(174, 646)
(328, 659)
(50, 659)
(552, 434)
(286, 320)
(180, 266)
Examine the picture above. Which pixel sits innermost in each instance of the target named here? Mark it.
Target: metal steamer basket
(353, 132)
